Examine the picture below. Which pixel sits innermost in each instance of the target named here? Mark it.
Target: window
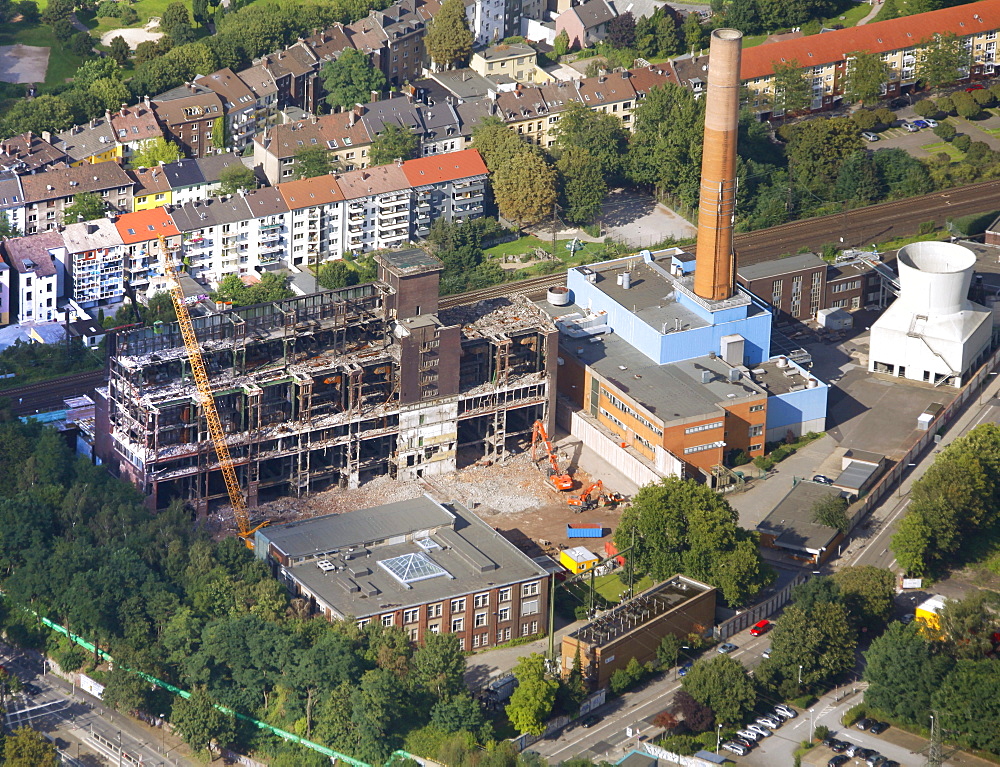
(434, 611)
(458, 605)
(701, 448)
(530, 607)
(388, 620)
(757, 430)
(756, 408)
(411, 616)
(528, 629)
(529, 589)
(503, 635)
(434, 628)
(363, 622)
(629, 411)
(503, 614)
(413, 634)
(457, 624)
(755, 447)
(776, 290)
(482, 600)
(481, 620)
(504, 595)
(703, 427)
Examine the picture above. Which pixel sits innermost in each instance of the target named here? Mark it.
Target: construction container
(927, 613)
(578, 559)
(585, 531)
(612, 551)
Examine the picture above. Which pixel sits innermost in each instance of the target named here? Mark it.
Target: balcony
(270, 227)
(269, 258)
(270, 236)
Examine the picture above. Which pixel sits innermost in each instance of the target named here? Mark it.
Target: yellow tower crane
(206, 398)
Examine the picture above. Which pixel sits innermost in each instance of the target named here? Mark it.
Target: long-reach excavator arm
(206, 398)
(560, 480)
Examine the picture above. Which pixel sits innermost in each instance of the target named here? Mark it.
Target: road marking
(885, 528)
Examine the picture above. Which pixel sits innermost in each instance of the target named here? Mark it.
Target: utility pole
(934, 755)
(554, 208)
(552, 618)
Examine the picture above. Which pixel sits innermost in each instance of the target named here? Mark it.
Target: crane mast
(206, 398)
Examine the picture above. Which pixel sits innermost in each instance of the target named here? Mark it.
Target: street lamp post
(812, 729)
(163, 733)
(718, 737)
(119, 748)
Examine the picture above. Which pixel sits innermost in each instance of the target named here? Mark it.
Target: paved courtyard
(640, 221)
(23, 63)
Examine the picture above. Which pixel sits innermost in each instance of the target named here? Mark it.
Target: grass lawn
(901, 241)
(524, 245)
(851, 17)
(947, 148)
(62, 63)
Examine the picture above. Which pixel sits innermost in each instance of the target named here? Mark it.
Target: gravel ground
(135, 35)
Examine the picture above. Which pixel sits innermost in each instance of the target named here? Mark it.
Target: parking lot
(924, 143)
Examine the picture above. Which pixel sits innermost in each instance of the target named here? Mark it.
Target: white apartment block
(94, 255)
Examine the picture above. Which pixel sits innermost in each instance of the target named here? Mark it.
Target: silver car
(737, 748)
(786, 711)
(760, 730)
(749, 735)
(773, 722)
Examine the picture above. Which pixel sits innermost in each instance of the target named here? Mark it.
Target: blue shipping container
(584, 531)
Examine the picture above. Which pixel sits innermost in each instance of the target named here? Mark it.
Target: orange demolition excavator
(560, 480)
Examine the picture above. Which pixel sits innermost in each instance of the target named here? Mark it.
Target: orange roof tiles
(306, 192)
(878, 37)
(145, 225)
(444, 167)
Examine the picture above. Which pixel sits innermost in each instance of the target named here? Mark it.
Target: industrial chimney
(715, 265)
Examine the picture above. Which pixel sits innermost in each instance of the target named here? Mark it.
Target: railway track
(533, 287)
(49, 395)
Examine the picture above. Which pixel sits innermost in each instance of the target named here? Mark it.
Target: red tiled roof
(139, 223)
(307, 192)
(444, 167)
(878, 37)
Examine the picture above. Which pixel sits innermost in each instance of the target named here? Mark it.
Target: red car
(760, 628)
(975, 87)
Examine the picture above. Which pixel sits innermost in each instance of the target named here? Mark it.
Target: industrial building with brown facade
(332, 388)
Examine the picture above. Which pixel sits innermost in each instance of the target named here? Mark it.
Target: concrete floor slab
(23, 63)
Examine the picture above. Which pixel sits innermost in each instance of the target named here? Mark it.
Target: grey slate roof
(91, 235)
(82, 141)
(11, 193)
(791, 520)
(266, 202)
(780, 266)
(593, 13)
(212, 212)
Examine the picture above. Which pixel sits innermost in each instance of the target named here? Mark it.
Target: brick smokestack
(715, 267)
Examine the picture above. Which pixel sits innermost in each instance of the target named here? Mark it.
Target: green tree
(966, 107)
(903, 672)
(86, 206)
(561, 44)
(621, 30)
(945, 131)
(816, 150)
(125, 690)
(237, 176)
(336, 274)
(597, 133)
(669, 649)
(968, 624)
(42, 113)
(792, 91)
(743, 15)
(942, 59)
(154, 151)
(58, 9)
(82, 44)
(722, 684)
(271, 287)
(201, 724)
(448, 40)
(120, 50)
(582, 185)
(680, 526)
(200, 12)
(496, 143)
(219, 133)
(694, 35)
(175, 18)
(866, 75)
(27, 748)
(460, 713)
(926, 108)
(831, 510)
(96, 69)
(532, 700)
(867, 593)
(439, 665)
(657, 36)
(525, 189)
(393, 143)
(111, 94)
(968, 704)
(312, 161)
(350, 79)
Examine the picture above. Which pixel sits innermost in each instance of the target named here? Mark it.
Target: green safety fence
(284, 734)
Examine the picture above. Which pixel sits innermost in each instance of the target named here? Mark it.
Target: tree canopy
(154, 151)
(234, 177)
(393, 143)
(350, 79)
(721, 683)
(866, 74)
(449, 40)
(87, 206)
(270, 287)
(534, 697)
(312, 161)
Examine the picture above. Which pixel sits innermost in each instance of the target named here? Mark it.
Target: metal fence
(758, 612)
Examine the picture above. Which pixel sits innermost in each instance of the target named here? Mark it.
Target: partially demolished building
(332, 388)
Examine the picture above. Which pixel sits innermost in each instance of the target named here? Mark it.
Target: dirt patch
(23, 63)
(134, 36)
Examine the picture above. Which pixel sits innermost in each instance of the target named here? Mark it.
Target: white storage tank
(935, 276)
(558, 295)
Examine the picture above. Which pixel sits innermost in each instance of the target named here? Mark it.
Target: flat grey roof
(864, 456)
(409, 261)
(405, 554)
(780, 266)
(669, 391)
(778, 380)
(855, 476)
(790, 522)
(650, 297)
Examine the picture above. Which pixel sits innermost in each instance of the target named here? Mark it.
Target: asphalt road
(69, 716)
(865, 226)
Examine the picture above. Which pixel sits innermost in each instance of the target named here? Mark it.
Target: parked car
(590, 721)
(890, 763)
(725, 647)
(878, 728)
(766, 653)
(682, 671)
(745, 741)
(737, 748)
(760, 627)
(868, 135)
(864, 723)
(837, 761)
(749, 735)
(975, 87)
(909, 127)
(31, 689)
(931, 123)
(822, 479)
(876, 760)
(786, 711)
(760, 729)
(772, 722)
(922, 123)
(838, 746)
(908, 618)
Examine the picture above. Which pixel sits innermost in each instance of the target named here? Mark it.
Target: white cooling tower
(932, 333)
(935, 277)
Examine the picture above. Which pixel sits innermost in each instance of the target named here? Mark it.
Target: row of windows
(626, 409)
(613, 420)
(703, 427)
(843, 286)
(702, 448)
